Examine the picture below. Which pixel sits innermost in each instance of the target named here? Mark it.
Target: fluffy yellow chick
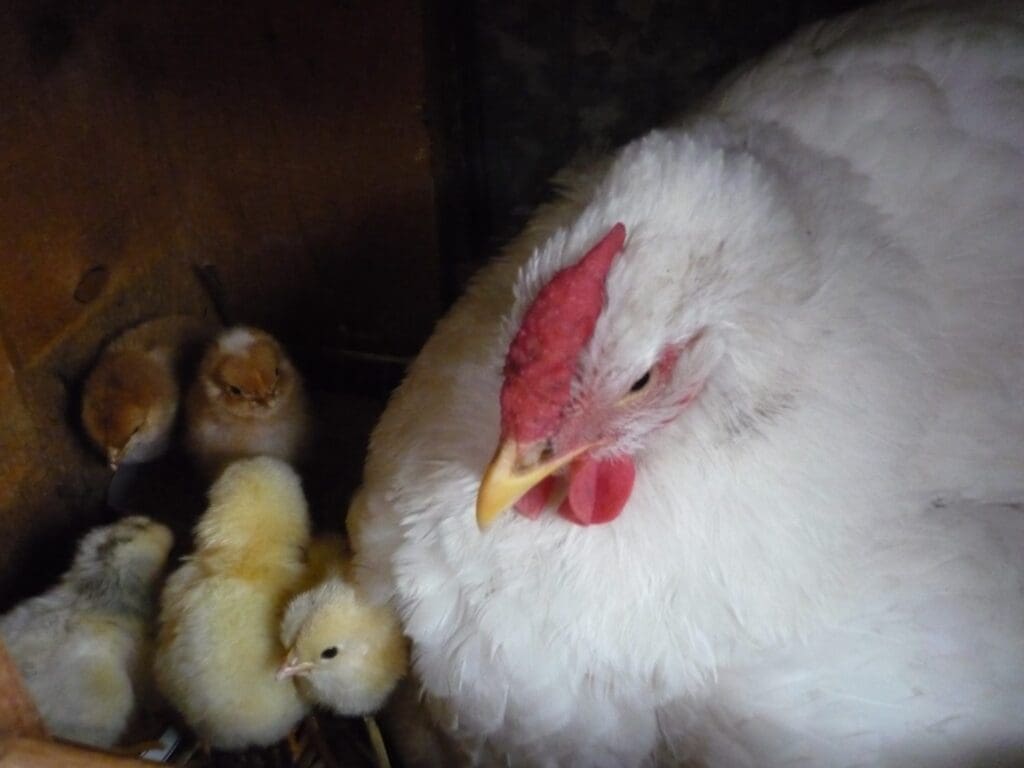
(130, 398)
(247, 400)
(345, 653)
(218, 647)
(83, 648)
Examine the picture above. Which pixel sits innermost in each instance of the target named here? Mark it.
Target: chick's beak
(293, 667)
(506, 480)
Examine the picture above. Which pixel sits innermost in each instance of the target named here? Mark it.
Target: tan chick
(130, 397)
(247, 400)
(345, 653)
(84, 647)
(218, 647)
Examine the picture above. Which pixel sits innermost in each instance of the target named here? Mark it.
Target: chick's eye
(234, 390)
(640, 383)
(329, 653)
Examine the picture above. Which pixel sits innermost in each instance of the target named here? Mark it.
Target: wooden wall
(268, 161)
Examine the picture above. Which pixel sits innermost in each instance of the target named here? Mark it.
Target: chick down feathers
(84, 647)
(248, 399)
(218, 646)
(345, 653)
(130, 397)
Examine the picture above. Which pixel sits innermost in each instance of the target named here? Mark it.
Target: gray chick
(83, 647)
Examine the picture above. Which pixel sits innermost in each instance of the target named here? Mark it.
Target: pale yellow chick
(130, 398)
(248, 399)
(218, 646)
(345, 653)
(84, 647)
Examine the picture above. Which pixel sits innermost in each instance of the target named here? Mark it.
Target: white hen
(792, 387)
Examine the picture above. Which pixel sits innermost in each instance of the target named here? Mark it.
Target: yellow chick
(130, 398)
(218, 646)
(248, 399)
(345, 653)
(83, 647)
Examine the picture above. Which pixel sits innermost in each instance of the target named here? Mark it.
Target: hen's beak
(293, 667)
(505, 483)
(114, 458)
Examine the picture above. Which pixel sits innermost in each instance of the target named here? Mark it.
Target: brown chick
(130, 398)
(247, 400)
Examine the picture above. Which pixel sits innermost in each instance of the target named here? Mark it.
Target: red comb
(542, 357)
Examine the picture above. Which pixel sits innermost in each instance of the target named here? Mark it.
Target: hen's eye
(640, 383)
(234, 390)
(329, 653)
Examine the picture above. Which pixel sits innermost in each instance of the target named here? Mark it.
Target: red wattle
(535, 499)
(598, 490)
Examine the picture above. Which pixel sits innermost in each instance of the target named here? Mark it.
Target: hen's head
(624, 327)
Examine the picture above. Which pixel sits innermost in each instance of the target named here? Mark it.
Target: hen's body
(788, 582)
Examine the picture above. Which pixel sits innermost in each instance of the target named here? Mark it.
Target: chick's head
(120, 564)
(129, 403)
(345, 654)
(257, 517)
(248, 373)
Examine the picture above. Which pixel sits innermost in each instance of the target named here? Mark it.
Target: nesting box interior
(330, 171)
(261, 165)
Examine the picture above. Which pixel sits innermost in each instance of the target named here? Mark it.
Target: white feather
(842, 228)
